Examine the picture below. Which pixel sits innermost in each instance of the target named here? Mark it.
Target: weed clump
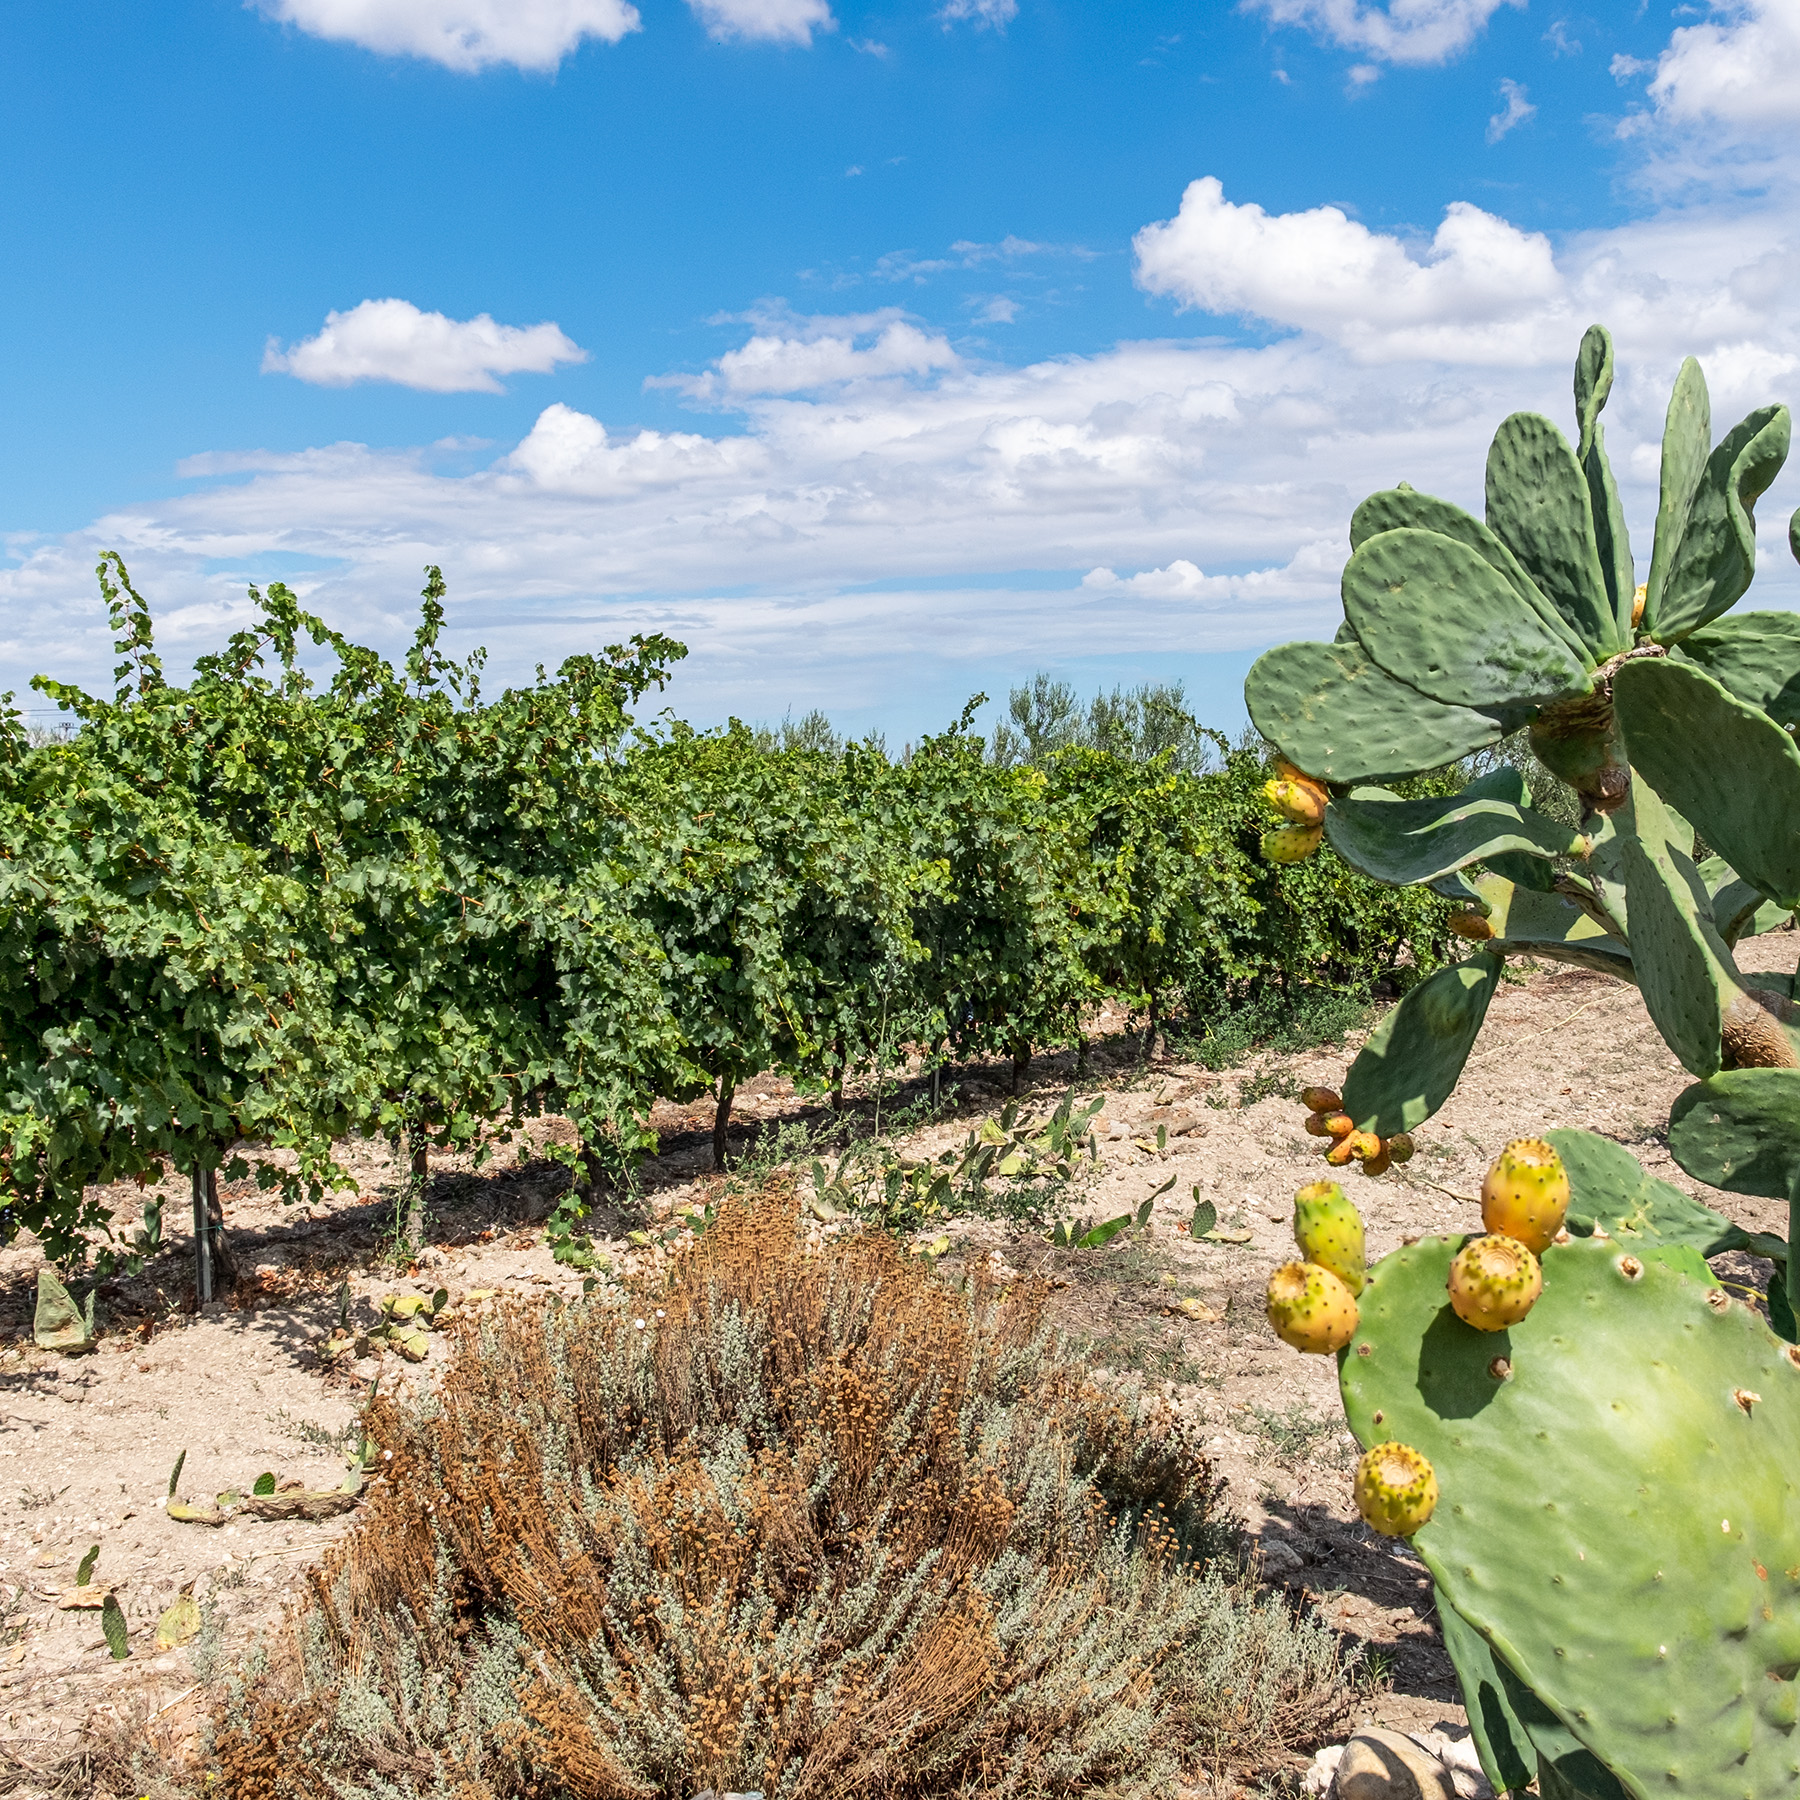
(807, 1521)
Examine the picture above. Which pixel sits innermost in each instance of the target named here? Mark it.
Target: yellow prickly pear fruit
(1311, 1309)
(1288, 772)
(1321, 1100)
(1471, 924)
(1329, 1231)
(1291, 843)
(1338, 1125)
(1639, 595)
(1494, 1282)
(1298, 801)
(1400, 1146)
(1318, 1124)
(1396, 1489)
(1353, 1146)
(1379, 1163)
(1525, 1195)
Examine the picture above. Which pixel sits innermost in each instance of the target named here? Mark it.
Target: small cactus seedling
(112, 1624)
(1494, 1282)
(1311, 1309)
(1329, 1231)
(1396, 1489)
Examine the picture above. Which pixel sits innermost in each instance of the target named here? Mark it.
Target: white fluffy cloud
(1515, 110)
(1313, 568)
(465, 35)
(996, 15)
(854, 514)
(392, 340)
(569, 452)
(772, 21)
(804, 355)
(1478, 294)
(1405, 31)
(1741, 68)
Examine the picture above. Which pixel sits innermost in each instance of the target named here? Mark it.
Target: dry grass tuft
(823, 1527)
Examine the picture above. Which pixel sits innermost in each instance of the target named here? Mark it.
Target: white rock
(1388, 1765)
(1461, 1758)
(1318, 1778)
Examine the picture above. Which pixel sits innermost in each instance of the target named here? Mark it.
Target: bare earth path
(87, 1443)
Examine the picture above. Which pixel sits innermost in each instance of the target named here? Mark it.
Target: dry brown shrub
(821, 1526)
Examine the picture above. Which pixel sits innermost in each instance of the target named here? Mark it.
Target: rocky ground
(247, 1385)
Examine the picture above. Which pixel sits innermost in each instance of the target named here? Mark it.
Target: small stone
(1280, 1560)
(1388, 1765)
(1318, 1778)
(1461, 1758)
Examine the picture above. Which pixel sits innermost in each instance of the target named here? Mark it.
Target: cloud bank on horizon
(854, 477)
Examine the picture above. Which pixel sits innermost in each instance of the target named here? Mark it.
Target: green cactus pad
(1333, 713)
(1682, 966)
(1740, 1131)
(1406, 841)
(115, 1630)
(1533, 923)
(1516, 1735)
(1746, 782)
(1593, 383)
(58, 1323)
(1687, 440)
(1597, 1523)
(1717, 555)
(1436, 615)
(1395, 508)
(1755, 656)
(1410, 1064)
(1538, 506)
(1609, 1188)
(1738, 910)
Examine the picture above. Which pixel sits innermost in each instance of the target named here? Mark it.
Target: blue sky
(883, 353)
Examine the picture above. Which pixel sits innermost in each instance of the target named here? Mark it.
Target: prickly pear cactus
(1614, 1439)
(1458, 632)
(1619, 1514)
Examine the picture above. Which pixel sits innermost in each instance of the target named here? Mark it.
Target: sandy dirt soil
(87, 1443)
